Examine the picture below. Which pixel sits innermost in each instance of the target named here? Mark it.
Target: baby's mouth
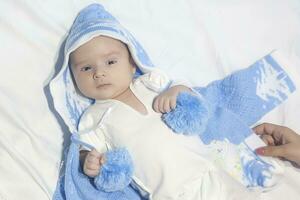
(103, 85)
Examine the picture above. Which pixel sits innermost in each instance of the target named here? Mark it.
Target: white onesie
(166, 165)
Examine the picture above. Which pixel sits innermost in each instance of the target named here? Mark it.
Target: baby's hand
(166, 101)
(92, 163)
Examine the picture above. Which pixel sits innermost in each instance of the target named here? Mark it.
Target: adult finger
(280, 134)
(274, 151)
(268, 139)
(266, 128)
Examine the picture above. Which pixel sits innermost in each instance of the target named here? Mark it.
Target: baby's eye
(111, 62)
(85, 68)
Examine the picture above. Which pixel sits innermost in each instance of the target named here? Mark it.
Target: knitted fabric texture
(223, 113)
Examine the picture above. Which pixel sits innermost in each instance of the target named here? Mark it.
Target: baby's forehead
(108, 41)
(102, 46)
(112, 46)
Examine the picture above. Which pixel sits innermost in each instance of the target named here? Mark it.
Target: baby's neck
(129, 98)
(126, 96)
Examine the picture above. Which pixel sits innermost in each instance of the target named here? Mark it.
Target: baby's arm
(167, 89)
(112, 168)
(91, 162)
(166, 101)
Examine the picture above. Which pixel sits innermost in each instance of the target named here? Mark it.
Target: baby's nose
(99, 73)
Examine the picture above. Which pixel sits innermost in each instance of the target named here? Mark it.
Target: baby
(103, 70)
(110, 67)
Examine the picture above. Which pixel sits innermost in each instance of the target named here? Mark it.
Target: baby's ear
(133, 65)
(133, 69)
(70, 64)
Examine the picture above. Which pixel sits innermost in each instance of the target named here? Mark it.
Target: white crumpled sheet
(205, 41)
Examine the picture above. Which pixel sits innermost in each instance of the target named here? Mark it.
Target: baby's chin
(101, 93)
(108, 91)
(103, 96)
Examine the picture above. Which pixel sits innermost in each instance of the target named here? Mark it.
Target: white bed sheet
(197, 39)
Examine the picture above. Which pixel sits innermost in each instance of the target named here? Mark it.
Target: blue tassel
(190, 116)
(117, 171)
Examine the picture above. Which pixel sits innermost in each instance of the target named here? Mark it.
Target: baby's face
(102, 68)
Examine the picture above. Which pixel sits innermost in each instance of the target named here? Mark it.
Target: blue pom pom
(190, 116)
(117, 171)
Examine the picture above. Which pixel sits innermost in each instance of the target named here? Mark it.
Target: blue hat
(91, 22)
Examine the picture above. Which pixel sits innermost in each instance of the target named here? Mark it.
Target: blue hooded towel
(92, 21)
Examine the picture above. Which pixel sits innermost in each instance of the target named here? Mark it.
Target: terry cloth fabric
(227, 109)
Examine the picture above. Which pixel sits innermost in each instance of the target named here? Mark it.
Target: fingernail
(260, 151)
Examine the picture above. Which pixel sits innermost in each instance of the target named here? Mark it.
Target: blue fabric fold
(244, 97)
(75, 185)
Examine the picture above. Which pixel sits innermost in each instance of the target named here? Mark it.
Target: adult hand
(281, 142)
